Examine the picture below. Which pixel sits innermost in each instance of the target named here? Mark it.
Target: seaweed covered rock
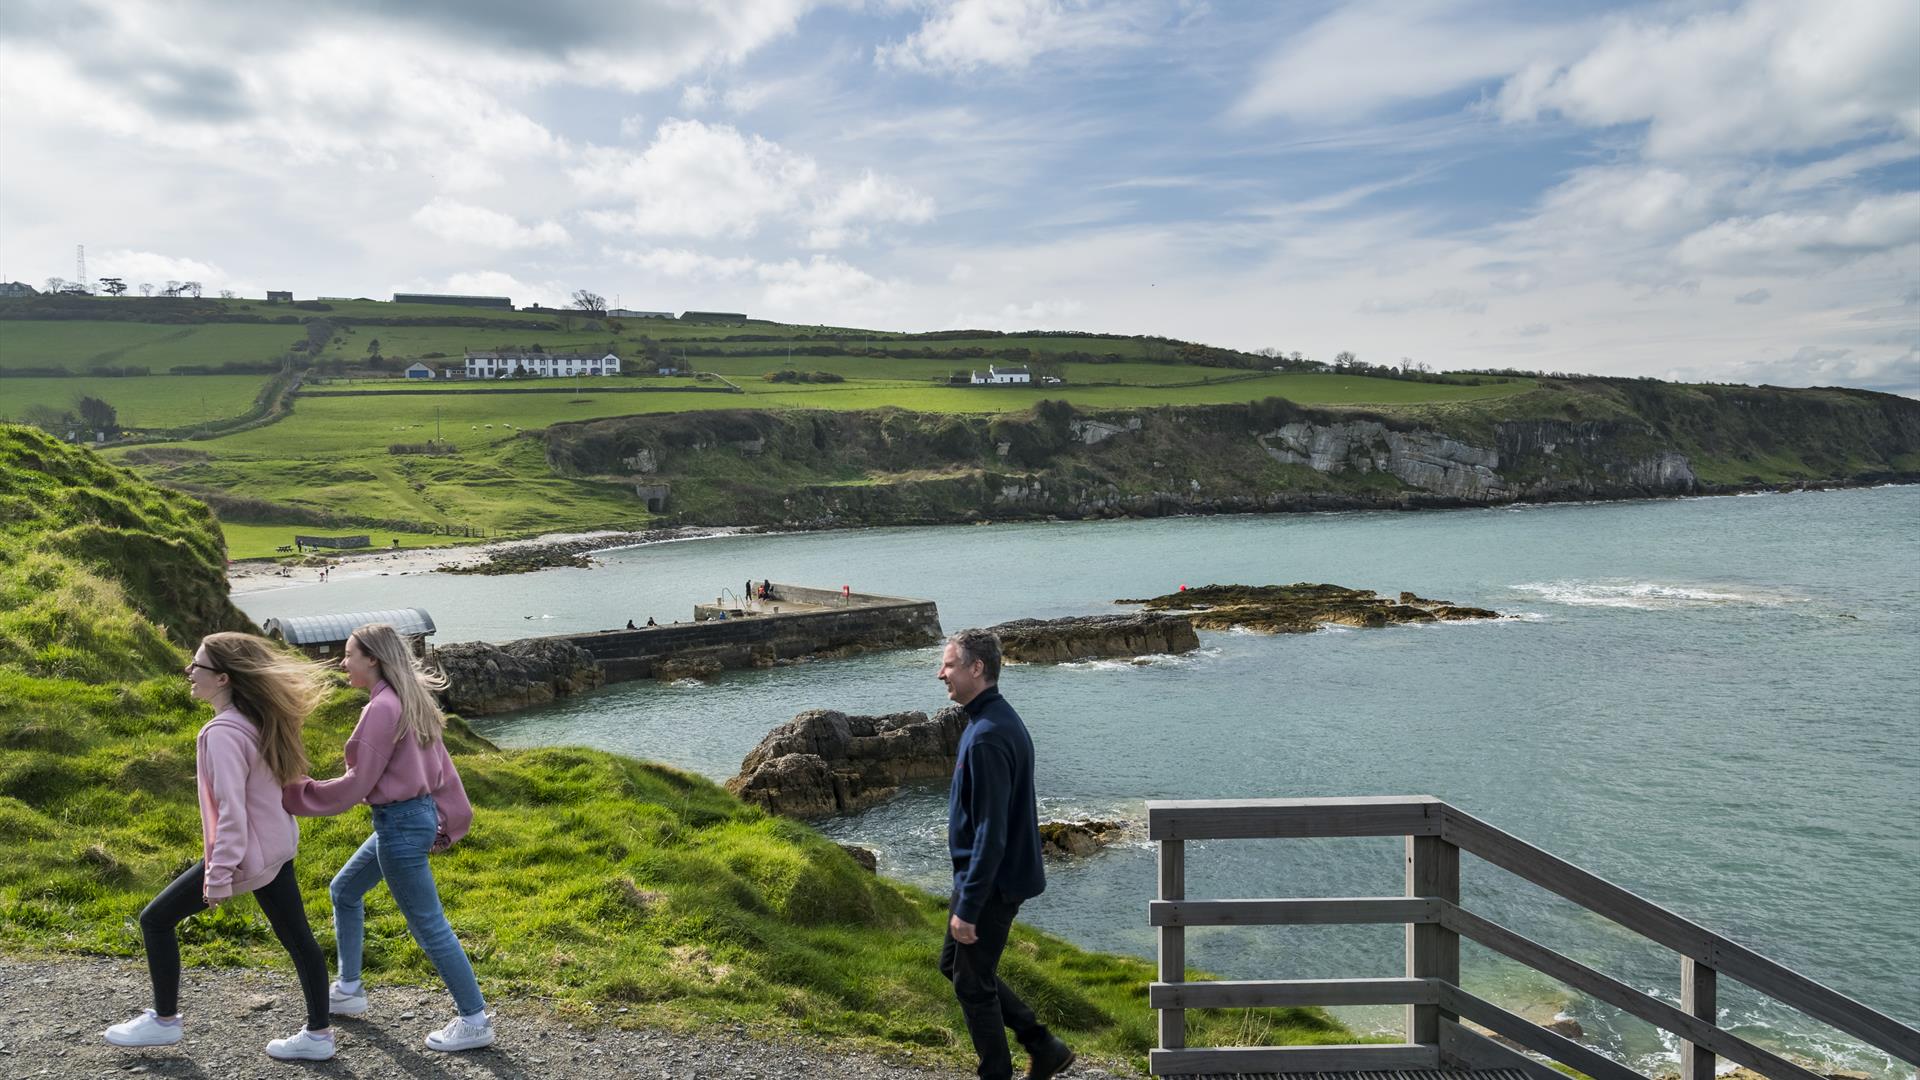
(1297, 608)
(1091, 637)
(824, 762)
(1063, 838)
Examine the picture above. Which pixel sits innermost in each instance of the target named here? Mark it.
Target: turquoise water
(1708, 701)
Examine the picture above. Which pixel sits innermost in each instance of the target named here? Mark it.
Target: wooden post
(1433, 951)
(1173, 941)
(1699, 996)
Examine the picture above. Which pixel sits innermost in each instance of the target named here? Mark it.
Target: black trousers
(279, 898)
(990, 1005)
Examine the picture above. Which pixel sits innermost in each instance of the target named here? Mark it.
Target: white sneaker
(145, 1030)
(460, 1035)
(341, 1003)
(302, 1046)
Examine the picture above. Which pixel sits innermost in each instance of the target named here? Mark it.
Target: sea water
(1712, 702)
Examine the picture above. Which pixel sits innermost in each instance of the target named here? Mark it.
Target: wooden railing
(1436, 834)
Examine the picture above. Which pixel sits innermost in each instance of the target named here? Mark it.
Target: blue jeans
(397, 852)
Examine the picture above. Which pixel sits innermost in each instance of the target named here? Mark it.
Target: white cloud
(872, 198)
(961, 36)
(696, 179)
(1537, 329)
(1450, 299)
(135, 267)
(822, 283)
(459, 223)
(685, 263)
(1790, 241)
(1893, 371)
(710, 180)
(1766, 75)
(1754, 296)
(1369, 55)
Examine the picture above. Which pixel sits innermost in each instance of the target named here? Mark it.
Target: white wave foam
(1150, 660)
(1645, 595)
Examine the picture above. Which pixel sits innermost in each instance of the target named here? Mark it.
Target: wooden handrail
(1435, 921)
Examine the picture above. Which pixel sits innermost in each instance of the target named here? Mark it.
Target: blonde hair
(420, 714)
(272, 689)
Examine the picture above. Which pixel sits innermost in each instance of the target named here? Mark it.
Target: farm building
(417, 370)
(324, 637)
(629, 313)
(497, 365)
(279, 296)
(449, 298)
(712, 316)
(17, 288)
(1002, 376)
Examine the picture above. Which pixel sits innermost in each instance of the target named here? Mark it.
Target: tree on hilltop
(590, 302)
(113, 286)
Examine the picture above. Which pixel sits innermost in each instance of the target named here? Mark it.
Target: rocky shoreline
(1302, 607)
(1095, 637)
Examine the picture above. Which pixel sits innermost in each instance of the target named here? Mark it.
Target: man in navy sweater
(993, 834)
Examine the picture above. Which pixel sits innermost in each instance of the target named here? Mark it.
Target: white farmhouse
(500, 365)
(999, 376)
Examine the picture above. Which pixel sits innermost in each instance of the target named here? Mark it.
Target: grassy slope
(590, 879)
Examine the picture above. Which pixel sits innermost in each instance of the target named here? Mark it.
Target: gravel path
(56, 1009)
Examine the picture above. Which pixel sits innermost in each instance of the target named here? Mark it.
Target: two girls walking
(252, 780)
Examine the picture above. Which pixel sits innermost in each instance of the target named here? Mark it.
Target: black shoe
(1050, 1058)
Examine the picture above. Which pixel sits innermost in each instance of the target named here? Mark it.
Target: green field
(265, 541)
(78, 345)
(148, 401)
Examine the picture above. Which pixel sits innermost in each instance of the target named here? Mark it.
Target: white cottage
(999, 376)
(500, 365)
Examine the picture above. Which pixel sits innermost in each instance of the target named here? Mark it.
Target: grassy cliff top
(163, 548)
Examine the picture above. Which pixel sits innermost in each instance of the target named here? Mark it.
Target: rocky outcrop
(1090, 637)
(1298, 608)
(1426, 460)
(484, 679)
(1063, 838)
(824, 762)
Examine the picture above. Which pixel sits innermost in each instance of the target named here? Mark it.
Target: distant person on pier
(650, 621)
(993, 835)
(630, 625)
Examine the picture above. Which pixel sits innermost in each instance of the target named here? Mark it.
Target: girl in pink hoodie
(252, 745)
(397, 763)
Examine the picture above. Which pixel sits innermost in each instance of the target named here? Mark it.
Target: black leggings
(279, 898)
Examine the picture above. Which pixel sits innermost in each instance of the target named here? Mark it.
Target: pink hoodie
(384, 766)
(246, 836)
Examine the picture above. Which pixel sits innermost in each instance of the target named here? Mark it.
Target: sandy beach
(259, 575)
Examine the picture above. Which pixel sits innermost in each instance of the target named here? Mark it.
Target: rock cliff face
(1567, 439)
(484, 679)
(824, 762)
(1091, 637)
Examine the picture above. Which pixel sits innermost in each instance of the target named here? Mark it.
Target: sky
(1704, 191)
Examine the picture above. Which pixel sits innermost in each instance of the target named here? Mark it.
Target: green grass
(590, 881)
(78, 345)
(246, 541)
(151, 401)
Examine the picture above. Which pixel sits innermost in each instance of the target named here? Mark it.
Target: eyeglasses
(203, 667)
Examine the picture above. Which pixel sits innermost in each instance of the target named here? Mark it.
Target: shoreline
(263, 575)
(245, 576)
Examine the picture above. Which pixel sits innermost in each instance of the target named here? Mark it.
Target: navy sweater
(993, 824)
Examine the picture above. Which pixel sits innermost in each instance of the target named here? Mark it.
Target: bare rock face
(824, 762)
(1091, 637)
(484, 679)
(1294, 609)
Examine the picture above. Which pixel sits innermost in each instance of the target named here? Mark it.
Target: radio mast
(80, 267)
